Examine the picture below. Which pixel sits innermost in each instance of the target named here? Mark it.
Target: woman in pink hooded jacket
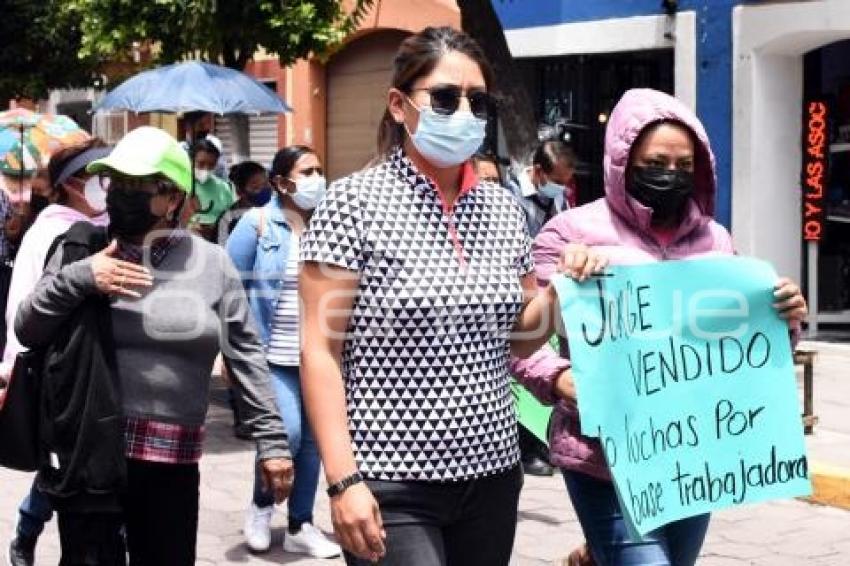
(659, 204)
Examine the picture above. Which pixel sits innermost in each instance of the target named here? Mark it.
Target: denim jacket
(261, 260)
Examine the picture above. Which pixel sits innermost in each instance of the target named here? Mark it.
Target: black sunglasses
(445, 100)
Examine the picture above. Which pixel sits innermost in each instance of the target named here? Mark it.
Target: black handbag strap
(52, 249)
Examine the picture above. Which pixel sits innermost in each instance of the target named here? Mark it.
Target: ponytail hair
(417, 57)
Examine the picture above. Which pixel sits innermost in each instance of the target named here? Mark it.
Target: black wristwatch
(343, 484)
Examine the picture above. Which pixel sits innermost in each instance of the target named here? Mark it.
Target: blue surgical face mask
(551, 190)
(309, 192)
(447, 140)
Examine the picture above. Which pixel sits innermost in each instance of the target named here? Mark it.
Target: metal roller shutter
(263, 136)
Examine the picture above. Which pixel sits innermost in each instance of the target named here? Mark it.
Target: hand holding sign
(789, 301)
(580, 261)
(683, 370)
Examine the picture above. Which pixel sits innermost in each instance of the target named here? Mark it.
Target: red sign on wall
(815, 167)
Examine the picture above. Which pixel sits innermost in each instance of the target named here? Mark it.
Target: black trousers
(530, 446)
(91, 539)
(469, 523)
(160, 519)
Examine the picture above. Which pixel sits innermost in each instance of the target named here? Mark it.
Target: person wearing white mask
(543, 187)
(264, 247)
(213, 195)
(416, 283)
(73, 196)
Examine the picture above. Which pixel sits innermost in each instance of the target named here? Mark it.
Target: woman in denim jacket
(264, 247)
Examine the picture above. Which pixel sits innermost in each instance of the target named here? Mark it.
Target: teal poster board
(684, 372)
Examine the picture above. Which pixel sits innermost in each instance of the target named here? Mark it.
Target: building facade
(751, 70)
(754, 71)
(339, 101)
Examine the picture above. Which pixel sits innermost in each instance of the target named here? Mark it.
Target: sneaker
(312, 542)
(22, 551)
(257, 530)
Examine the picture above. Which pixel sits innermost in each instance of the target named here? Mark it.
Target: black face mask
(666, 192)
(130, 215)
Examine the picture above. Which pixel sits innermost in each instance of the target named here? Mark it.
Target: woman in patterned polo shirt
(417, 283)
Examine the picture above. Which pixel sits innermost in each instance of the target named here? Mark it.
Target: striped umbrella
(28, 139)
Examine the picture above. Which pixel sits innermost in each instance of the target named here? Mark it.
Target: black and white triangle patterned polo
(425, 361)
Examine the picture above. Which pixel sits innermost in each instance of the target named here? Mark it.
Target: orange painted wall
(303, 85)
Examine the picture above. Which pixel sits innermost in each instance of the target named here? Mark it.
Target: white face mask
(309, 191)
(95, 192)
(202, 175)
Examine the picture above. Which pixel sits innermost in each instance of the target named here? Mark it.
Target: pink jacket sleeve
(538, 372)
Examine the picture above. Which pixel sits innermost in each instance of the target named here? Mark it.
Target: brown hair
(417, 57)
(652, 126)
(550, 152)
(63, 157)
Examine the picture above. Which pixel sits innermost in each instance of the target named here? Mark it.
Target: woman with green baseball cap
(175, 300)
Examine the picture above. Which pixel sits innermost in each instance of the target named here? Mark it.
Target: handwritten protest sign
(684, 372)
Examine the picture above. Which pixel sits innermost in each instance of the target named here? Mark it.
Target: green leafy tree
(226, 32)
(40, 51)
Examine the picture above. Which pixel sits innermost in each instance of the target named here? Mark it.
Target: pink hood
(636, 110)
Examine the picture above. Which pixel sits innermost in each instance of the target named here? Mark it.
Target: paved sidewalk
(773, 534)
(830, 443)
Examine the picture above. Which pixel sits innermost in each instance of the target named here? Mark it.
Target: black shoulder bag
(19, 410)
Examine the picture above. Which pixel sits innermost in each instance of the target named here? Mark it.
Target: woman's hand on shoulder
(116, 277)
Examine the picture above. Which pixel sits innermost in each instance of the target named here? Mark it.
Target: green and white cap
(148, 151)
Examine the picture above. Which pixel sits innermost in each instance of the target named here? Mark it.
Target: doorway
(576, 93)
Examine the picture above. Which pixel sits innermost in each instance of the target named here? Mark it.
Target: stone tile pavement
(773, 534)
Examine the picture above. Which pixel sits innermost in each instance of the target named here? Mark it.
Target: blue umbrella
(194, 86)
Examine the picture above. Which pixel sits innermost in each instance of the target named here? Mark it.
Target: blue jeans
(305, 455)
(595, 503)
(34, 512)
